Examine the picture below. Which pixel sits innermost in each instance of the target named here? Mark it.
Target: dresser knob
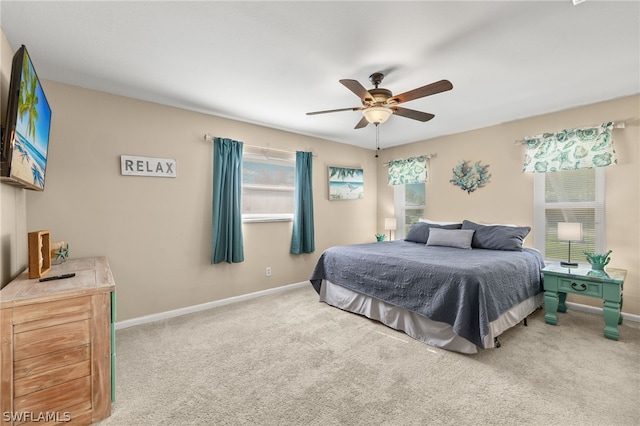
(581, 285)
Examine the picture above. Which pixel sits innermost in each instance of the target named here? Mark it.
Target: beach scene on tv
(31, 139)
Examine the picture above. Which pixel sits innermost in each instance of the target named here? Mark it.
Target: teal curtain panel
(570, 149)
(411, 170)
(227, 201)
(302, 238)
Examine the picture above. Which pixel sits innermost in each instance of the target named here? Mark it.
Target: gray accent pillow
(459, 238)
(497, 237)
(419, 231)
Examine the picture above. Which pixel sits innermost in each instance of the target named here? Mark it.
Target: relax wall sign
(147, 166)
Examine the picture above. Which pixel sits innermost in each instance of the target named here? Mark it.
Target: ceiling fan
(379, 103)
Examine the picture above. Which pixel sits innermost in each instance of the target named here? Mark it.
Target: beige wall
(13, 201)
(508, 198)
(156, 232)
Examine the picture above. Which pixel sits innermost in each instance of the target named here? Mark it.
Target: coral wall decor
(468, 177)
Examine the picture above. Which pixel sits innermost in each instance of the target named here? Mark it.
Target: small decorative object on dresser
(608, 286)
(598, 261)
(59, 252)
(380, 237)
(39, 257)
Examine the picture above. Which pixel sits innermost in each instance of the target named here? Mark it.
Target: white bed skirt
(421, 328)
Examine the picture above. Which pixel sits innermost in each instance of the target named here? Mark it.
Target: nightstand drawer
(586, 288)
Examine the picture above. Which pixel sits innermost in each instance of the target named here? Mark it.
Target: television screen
(25, 141)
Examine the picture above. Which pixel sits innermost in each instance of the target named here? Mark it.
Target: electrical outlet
(268, 271)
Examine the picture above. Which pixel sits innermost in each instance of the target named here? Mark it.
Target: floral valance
(570, 149)
(411, 170)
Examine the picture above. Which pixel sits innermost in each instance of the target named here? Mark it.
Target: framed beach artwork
(345, 183)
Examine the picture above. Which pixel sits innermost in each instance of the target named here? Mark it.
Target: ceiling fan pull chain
(377, 138)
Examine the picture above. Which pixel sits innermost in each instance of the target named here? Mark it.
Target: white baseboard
(195, 308)
(594, 310)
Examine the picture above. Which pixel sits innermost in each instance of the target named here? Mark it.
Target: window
(267, 188)
(409, 206)
(569, 196)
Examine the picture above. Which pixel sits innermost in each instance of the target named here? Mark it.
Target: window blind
(569, 196)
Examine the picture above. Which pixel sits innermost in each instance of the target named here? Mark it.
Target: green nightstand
(607, 285)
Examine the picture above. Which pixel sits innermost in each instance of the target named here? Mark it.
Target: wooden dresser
(56, 346)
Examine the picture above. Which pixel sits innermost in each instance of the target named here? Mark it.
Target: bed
(456, 286)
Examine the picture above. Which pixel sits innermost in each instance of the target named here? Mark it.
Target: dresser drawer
(575, 286)
(35, 366)
(49, 310)
(44, 371)
(51, 339)
(58, 398)
(51, 378)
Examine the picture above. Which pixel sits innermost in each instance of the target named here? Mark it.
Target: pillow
(435, 222)
(497, 237)
(502, 224)
(459, 238)
(419, 231)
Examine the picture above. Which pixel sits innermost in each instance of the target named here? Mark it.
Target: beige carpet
(288, 359)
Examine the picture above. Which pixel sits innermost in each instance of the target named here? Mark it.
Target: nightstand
(606, 285)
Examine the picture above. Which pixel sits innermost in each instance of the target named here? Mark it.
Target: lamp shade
(390, 223)
(377, 114)
(569, 231)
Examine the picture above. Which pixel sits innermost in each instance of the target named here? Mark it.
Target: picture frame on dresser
(39, 243)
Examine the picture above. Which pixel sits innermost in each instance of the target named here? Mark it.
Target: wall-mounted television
(25, 138)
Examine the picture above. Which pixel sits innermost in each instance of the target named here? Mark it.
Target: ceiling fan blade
(335, 110)
(421, 92)
(357, 88)
(412, 113)
(362, 123)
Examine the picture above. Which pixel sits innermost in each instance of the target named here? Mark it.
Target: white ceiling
(269, 63)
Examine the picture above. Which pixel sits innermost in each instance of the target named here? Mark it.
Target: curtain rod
(208, 137)
(619, 125)
(428, 157)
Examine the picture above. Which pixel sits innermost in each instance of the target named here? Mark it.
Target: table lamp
(390, 225)
(569, 231)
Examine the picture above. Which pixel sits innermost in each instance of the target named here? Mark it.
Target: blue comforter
(465, 288)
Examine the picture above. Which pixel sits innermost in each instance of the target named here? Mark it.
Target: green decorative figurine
(598, 261)
(380, 237)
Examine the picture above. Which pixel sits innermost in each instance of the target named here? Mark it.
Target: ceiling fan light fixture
(377, 114)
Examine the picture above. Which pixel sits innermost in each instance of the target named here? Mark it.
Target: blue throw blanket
(465, 288)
